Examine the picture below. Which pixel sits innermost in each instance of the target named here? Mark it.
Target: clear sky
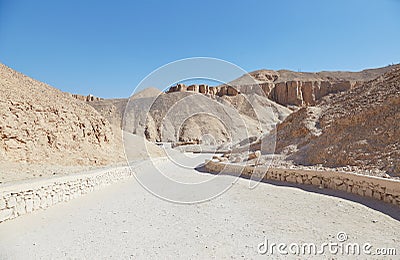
(107, 47)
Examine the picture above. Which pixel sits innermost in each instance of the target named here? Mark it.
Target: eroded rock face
(205, 89)
(360, 127)
(295, 93)
(305, 93)
(41, 124)
(288, 88)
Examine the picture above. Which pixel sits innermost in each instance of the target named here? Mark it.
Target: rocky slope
(225, 113)
(289, 88)
(192, 117)
(360, 127)
(186, 116)
(113, 109)
(40, 124)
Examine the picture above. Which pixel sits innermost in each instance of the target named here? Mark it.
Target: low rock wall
(19, 198)
(387, 190)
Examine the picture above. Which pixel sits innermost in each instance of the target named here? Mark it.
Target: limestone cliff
(360, 127)
(288, 88)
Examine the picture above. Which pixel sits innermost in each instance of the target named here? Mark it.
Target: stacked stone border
(387, 190)
(23, 197)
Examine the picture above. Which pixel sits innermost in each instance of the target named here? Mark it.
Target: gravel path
(125, 221)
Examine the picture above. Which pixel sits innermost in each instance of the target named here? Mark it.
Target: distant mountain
(289, 88)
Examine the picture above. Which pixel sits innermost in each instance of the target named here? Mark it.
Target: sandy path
(126, 221)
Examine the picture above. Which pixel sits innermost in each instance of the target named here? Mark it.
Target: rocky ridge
(358, 128)
(288, 88)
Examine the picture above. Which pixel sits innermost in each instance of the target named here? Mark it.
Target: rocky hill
(187, 116)
(40, 124)
(360, 127)
(193, 117)
(113, 109)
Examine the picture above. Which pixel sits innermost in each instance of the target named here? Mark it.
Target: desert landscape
(199, 129)
(336, 125)
(310, 110)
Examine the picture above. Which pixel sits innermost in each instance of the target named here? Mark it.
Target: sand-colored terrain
(45, 132)
(40, 124)
(352, 131)
(188, 116)
(359, 128)
(135, 146)
(126, 221)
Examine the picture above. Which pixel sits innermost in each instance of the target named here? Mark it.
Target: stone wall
(22, 197)
(387, 190)
(19, 198)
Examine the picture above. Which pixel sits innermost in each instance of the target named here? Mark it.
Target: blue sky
(107, 47)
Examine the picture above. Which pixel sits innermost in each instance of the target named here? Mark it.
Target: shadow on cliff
(378, 205)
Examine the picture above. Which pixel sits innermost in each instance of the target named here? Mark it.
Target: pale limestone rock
(368, 192)
(338, 181)
(3, 203)
(5, 214)
(42, 123)
(316, 181)
(291, 178)
(254, 155)
(388, 198)
(299, 180)
(11, 202)
(358, 128)
(29, 205)
(55, 199)
(377, 195)
(20, 207)
(36, 202)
